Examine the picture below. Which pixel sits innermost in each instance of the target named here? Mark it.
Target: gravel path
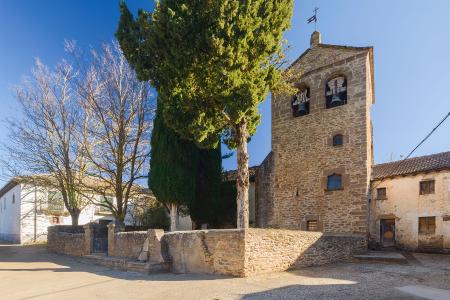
(29, 272)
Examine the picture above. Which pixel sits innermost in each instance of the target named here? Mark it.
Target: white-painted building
(26, 212)
(410, 204)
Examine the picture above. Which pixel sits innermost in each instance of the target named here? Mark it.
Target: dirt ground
(30, 272)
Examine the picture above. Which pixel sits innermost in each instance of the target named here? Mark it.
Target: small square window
(427, 187)
(381, 193)
(334, 182)
(312, 225)
(427, 225)
(338, 140)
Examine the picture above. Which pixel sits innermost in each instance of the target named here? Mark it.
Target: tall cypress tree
(217, 61)
(205, 206)
(181, 174)
(172, 168)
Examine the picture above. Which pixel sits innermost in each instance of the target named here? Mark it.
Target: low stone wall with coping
(126, 244)
(65, 239)
(206, 251)
(255, 251)
(139, 245)
(269, 250)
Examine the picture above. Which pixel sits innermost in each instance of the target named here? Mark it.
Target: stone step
(382, 256)
(126, 264)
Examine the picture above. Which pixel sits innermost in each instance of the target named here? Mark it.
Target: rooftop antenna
(314, 18)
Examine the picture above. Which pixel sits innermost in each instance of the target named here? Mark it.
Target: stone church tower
(318, 173)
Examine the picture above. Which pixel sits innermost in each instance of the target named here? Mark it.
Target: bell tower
(321, 142)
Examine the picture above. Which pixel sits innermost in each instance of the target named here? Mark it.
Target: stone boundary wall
(271, 250)
(64, 239)
(206, 251)
(126, 244)
(254, 251)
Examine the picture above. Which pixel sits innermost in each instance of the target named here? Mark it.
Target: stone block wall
(254, 251)
(64, 239)
(126, 244)
(206, 251)
(271, 250)
(263, 192)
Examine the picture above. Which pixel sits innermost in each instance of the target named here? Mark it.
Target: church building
(317, 175)
(320, 174)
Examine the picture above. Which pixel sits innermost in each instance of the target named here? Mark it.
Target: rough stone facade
(255, 251)
(66, 240)
(303, 156)
(263, 192)
(404, 205)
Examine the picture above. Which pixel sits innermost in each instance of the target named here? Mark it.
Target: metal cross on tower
(314, 18)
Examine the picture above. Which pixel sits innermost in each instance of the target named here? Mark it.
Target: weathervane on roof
(314, 18)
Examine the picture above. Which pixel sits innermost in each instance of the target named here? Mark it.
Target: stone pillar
(111, 239)
(88, 238)
(154, 245)
(113, 228)
(316, 39)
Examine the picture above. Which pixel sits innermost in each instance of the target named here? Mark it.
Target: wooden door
(387, 232)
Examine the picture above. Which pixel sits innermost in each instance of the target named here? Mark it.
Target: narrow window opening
(312, 225)
(427, 225)
(334, 182)
(381, 193)
(300, 103)
(336, 92)
(338, 140)
(427, 187)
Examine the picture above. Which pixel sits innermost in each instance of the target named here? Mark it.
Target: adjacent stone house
(410, 204)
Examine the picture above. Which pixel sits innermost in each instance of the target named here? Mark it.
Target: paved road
(29, 272)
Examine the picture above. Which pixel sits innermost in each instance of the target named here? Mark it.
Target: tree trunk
(173, 217)
(74, 215)
(242, 181)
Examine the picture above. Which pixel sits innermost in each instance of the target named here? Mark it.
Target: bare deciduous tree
(120, 115)
(47, 139)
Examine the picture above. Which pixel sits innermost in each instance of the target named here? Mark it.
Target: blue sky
(411, 40)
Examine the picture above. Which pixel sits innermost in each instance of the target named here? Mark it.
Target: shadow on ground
(35, 258)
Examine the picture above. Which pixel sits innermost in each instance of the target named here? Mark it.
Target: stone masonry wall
(206, 251)
(303, 156)
(263, 192)
(254, 251)
(67, 240)
(271, 250)
(127, 244)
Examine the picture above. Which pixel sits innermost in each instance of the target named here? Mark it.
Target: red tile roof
(428, 163)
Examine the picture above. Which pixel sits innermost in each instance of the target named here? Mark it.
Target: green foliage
(180, 172)
(227, 207)
(213, 61)
(205, 206)
(172, 166)
(155, 217)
